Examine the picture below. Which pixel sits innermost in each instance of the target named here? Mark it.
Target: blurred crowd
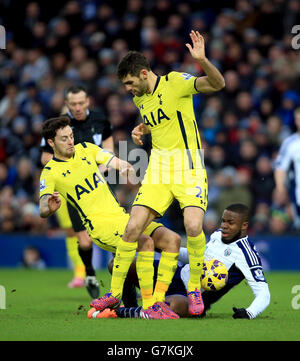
(81, 42)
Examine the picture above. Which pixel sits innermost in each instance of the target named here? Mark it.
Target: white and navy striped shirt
(288, 159)
(243, 255)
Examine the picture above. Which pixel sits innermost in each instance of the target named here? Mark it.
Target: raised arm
(49, 204)
(213, 81)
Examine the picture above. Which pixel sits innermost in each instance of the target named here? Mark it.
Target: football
(214, 275)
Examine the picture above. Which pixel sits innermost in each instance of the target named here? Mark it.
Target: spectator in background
(263, 181)
(232, 189)
(32, 259)
(24, 184)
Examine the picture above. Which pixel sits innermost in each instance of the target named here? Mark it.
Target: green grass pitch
(40, 307)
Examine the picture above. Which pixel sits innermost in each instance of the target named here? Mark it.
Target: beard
(143, 88)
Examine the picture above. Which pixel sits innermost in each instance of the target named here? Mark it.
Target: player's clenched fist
(54, 202)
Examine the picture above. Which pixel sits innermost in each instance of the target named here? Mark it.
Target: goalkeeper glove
(240, 313)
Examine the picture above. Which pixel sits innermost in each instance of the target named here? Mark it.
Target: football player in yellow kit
(73, 174)
(176, 166)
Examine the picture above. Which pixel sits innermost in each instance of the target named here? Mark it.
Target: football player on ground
(73, 173)
(231, 246)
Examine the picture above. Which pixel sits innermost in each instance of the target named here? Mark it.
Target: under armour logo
(141, 106)
(118, 234)
(159, 96)
(88, 162)
(65, 174)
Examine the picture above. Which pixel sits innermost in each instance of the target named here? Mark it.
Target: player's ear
(144, 74)
(245, 226)
(50, 142)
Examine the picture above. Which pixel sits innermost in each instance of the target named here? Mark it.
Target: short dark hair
(75, 89)
(51, 126)
(132, 63)
(240, 209)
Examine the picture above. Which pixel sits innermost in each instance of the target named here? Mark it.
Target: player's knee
(146, 244)
(177, 240)
(85, 245)
(193, 227)
(174, 242)
(178, 304)
(134, 229)
(85, 241)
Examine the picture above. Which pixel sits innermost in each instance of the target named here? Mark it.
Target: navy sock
(131, 312)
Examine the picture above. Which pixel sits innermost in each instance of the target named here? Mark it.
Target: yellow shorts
(189, 187)
(108, 231)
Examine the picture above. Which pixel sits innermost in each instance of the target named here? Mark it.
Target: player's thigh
(108, 231)
(141, 216)
(165, 239)
(179, 304)
(156, 197)
(193, 190)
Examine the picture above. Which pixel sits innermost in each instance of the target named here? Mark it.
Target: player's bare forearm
(122, 166)
(213, 76)
(279, 176)
(49, 204)
(44, 209)
(213, 81)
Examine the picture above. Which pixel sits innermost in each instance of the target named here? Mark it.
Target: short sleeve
(47, 183)
(102, 156)
(184, 83)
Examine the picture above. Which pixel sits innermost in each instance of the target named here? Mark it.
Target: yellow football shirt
(169, 113)
(80, 182)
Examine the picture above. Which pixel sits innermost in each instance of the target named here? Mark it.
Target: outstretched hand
(198, 49)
